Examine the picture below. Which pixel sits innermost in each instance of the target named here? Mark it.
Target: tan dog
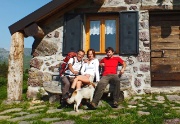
(77, 96)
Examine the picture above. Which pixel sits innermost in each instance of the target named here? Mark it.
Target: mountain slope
(4, 54)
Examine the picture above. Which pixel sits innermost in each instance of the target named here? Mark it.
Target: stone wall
(48, 51)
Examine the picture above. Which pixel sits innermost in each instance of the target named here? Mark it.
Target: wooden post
(15, 69)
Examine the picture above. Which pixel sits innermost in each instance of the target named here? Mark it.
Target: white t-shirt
(92, 68)
(76, 66)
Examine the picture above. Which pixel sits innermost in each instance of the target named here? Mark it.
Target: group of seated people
(88, 70)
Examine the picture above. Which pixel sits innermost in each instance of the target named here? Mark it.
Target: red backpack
(64, 66)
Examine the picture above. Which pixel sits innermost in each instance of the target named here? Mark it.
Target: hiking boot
(92, 106)
(63, 104)
(115, 105)
(66, 96)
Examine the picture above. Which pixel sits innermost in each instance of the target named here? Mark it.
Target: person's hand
(85, 60)
(119, 75)
(121, 72)
(101, 64)
(87, 75)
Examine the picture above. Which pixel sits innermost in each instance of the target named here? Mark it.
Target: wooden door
(165, 48)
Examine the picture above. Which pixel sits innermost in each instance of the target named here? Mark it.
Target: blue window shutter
(129, 33)
(72, 40)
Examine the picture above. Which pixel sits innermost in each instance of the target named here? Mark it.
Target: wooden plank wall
(165, 49)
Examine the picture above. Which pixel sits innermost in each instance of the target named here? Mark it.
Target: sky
(12, 11)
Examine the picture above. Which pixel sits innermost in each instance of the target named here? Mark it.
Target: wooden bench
(54, 87)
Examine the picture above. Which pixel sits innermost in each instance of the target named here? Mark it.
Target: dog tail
(72, 99)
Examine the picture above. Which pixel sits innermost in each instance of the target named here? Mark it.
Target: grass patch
(3, 89)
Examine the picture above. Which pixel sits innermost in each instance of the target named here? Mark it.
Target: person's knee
(75, 79)
(116, 81)
(63, 79)
(67, 84)
(101, 85)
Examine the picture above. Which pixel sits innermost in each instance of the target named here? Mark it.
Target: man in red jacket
(110, 64)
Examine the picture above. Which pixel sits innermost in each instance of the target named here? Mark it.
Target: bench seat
(54, 87)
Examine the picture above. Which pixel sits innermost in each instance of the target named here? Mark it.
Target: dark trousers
(66, 83)
(105, 80)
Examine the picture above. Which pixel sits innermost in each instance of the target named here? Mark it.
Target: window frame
(102, 19)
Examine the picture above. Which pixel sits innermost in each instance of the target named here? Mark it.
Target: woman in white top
(89, 71)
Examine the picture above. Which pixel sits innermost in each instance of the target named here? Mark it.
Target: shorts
(91, 78)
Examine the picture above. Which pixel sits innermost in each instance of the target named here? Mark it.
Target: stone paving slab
(11, 110)
(50, 119)
(4, 117)
(23, 117)
(160, 98)
(113, 116)
(54, 110)
(143, 108)
(173, 97)
(76, 113)
(149, 97)
(64, 122)
(157, 101)
(25, 122)
(143, 113)
(131, 106)
(37, 107)
(140, 105)
(176, 108)
(137, 97)
(133, 102)
(21, 113)
(87, 117)
(172, 121)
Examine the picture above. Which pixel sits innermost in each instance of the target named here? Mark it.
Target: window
(119, 31)
(102, 32)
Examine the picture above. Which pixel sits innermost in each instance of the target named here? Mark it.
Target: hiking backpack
(64, 66)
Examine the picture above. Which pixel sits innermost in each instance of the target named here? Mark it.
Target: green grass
(103, 115)
(3, 88)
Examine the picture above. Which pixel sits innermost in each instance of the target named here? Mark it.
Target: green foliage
(3, 82)
(27, 62)
(3, 70)
(3, 88)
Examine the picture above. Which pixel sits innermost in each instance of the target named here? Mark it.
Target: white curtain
(110, 27)
(94, 27)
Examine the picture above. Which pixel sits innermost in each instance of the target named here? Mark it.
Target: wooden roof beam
(99, 2)
(34, 30)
